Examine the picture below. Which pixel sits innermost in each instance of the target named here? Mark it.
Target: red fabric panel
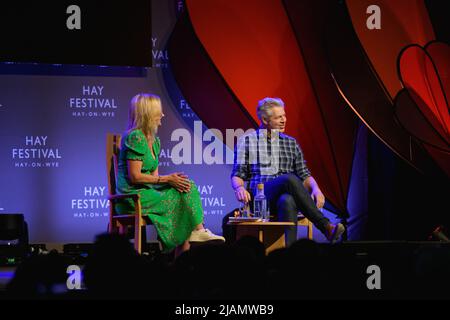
(403, 22)
(439, 53)
(309, 21)
(410, 116)
(201, 84)
(419, 76)
(252, 45)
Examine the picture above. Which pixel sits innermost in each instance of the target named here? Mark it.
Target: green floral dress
(173, 213)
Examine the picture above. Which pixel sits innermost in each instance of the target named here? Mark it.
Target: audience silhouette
(236, 270)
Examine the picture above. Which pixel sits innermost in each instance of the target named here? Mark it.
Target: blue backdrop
(53, 125)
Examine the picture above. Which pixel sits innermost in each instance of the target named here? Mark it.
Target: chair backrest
(112, 156)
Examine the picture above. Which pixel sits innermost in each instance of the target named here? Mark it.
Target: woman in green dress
(172, 201)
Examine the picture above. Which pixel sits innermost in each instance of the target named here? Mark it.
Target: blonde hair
(265, 105)
(144, 109)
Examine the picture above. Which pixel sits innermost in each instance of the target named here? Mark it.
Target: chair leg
(310, 230)
(137, 234)
(112, 227)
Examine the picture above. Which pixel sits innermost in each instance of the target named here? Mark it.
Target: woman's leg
(182, 248)
(201, 234)
(199, 227)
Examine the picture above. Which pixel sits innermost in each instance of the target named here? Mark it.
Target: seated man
(275, 159)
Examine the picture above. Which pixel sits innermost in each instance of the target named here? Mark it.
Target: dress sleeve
(136, 146)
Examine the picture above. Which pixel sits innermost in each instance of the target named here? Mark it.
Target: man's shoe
(334, 232)
(204, 235)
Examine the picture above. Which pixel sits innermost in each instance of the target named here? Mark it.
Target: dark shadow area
(241, 271)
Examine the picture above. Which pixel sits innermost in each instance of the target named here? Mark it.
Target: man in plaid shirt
(269, 156)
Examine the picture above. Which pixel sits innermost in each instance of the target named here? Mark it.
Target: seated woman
(172, 202)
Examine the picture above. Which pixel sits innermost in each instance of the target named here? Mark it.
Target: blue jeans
(287, 196)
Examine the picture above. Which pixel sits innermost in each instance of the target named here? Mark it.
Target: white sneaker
(204, 235)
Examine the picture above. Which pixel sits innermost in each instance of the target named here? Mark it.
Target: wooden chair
(120, 223)
(303, 221)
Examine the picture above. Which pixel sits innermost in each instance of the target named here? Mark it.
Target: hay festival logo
(36, 153)
(93, 203)
(92, 103)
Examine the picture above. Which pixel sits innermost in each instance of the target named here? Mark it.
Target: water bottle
(260, 204)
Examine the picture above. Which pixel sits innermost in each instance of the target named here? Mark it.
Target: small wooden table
(271, 234)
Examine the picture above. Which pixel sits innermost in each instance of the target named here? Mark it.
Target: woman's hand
(179, 181)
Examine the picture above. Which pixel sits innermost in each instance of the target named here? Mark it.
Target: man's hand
(318, 197)
(242, 194)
